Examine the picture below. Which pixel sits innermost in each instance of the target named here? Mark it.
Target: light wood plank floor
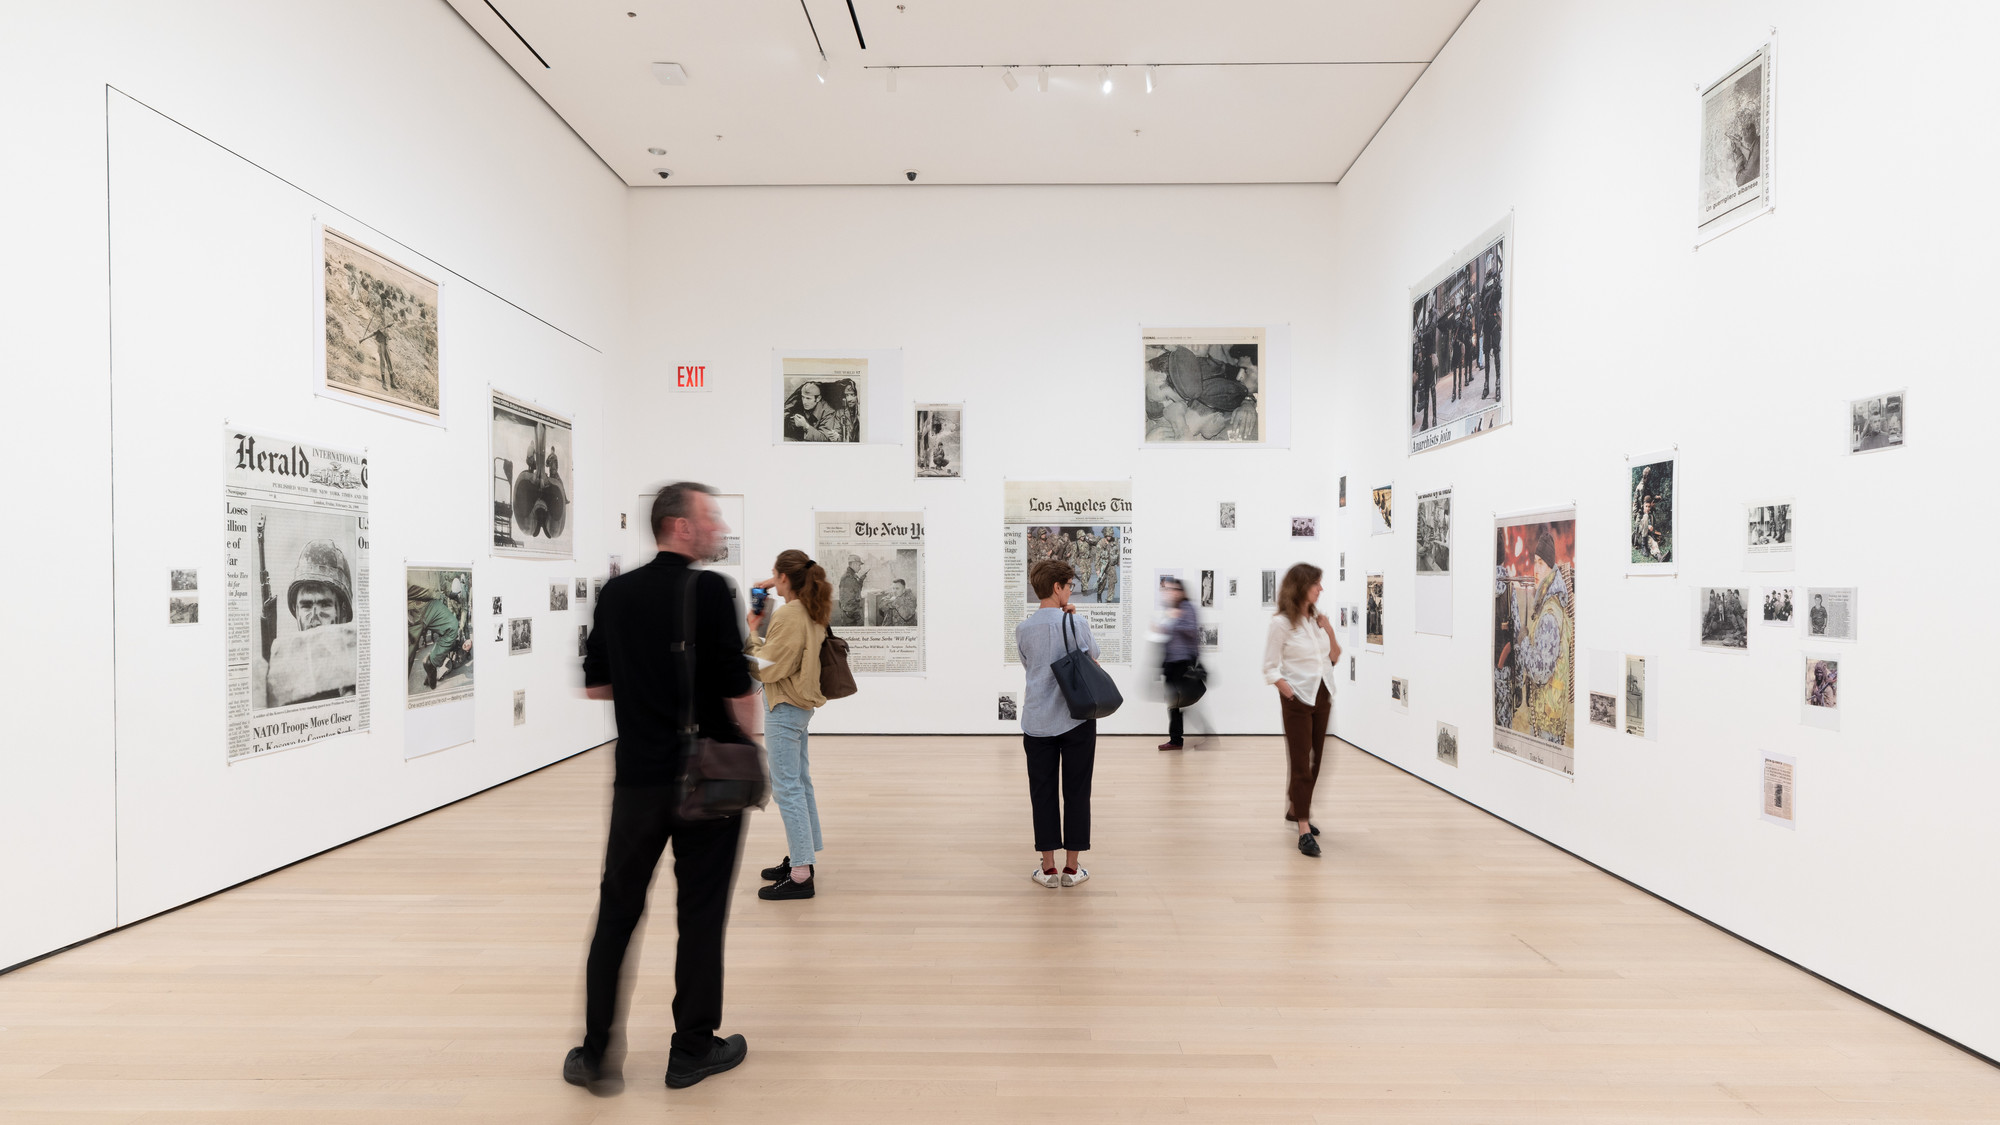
(1437, 965)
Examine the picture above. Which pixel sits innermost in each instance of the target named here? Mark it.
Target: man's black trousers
(1067, 758)
(642, 822)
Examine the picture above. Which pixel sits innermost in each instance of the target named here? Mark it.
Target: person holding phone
(1298, 649)
(1059, 748)
(787, 663)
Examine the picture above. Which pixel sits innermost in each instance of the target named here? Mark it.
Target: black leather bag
(1187, 691)
(1086, 686)
(719, 776)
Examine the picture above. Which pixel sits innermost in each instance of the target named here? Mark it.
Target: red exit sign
(688, 378)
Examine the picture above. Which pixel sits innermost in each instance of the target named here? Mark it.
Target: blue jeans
(791, 780)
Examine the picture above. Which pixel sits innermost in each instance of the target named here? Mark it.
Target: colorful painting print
(1534, 639)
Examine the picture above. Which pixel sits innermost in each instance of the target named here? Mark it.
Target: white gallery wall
(165, 165)
(1580, 119)
(1025, 304)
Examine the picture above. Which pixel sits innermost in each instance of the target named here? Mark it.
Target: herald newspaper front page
(1087, 525)
(875, 561)
(295, 520)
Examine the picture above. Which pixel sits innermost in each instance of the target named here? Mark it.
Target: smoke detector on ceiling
(670, 73)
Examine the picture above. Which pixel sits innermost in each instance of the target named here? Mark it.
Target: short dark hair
(672, 503)
(1046, 575)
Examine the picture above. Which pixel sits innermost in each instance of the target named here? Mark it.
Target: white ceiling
(1321, 77)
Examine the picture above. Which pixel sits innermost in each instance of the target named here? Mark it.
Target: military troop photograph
(381, 327)
(1094, 552)
(309, 641)
(1447, 744)
(1725, 618)
(1778, 606)
(182, 580)
(1457, 366)
(1651, 515)
(1305, 527)
(559, 597)
(1603, 710)
(183, 611)
(520, 636)
(438, 609)
(1434, 533)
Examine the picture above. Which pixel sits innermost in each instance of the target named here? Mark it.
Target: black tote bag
(1086, 686)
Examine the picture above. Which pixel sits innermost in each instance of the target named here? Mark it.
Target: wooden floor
(1436, 965)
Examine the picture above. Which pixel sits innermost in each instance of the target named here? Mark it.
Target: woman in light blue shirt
(1058, 746)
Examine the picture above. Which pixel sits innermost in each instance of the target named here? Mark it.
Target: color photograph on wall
(1461, 364)
(1432, 588)
(438, 609)
(1373, 600)
(1534, 639)
(1381, 510)
(1650, 480)
(533, 481)
(1204, 385)
(380, 323)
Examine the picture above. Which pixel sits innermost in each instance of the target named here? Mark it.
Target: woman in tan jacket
(788, 665)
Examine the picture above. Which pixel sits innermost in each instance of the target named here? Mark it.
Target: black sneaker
(1308, 846)
(773, 874)
(684, 1068)
(785, 888)
(579, 1069)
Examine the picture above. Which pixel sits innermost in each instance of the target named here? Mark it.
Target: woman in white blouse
(1298, 651)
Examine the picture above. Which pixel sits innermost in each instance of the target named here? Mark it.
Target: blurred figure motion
(1180, 664)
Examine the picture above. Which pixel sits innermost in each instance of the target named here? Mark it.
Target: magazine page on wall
(837, 396)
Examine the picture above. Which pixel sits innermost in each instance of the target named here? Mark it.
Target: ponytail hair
(809, 584)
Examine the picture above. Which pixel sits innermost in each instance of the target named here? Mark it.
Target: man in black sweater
(634, 659)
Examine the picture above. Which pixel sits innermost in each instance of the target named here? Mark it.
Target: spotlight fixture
(1042, 79)
(1104, 74)
(823, 67)
(892, 79)
(657, 151)
(1149, 79)
(1007, 76)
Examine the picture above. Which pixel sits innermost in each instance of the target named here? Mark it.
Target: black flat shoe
(1294, 822)
(1308, 846)
(785, 888)
(773, 874)
(579, 1069)
(684, 1069)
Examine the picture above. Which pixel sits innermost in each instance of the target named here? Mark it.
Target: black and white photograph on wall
(940, 441)
(1343, 566)
(1010, 707)
(1434, 532)
(1447, 744)
(183, 580)
(596, 588)
(1603, 710)
(1635, 695)
(728, 552)
(1343, 492)
(183, 609)
(520, 636)
(613, 567)
(1399, 693)
(499, 631)
(559, 596)
(520, 707)
(1208, 589)
(825, 401)
(1780, 789)
(582, 591)
(1343, 617)
(1381, 520)
(582, 641)
(1778, 609)
(296, 595)
(1211, 638)
(1305, 527)
(1877, 423)
(1351, 674)
(1374, 612)
(381, 329)
(1204, 385)
(1232, 587)
(497, 611)
(1830, 612)
(875, 561)
(1723, 617)
(1650, 480)
(438, 666)
(1820, 700)
(534, 478)
(1735, 146)
(1267, 597)
(1767, 536)
(1225, 516)
(1460, 366)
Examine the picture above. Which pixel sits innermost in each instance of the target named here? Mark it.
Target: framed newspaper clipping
(1736, 176)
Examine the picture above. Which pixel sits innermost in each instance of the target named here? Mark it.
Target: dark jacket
(631, 648)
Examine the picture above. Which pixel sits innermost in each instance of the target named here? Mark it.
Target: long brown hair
(809, 584)
(1299, 580)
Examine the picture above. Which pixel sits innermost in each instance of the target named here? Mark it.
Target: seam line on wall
(164, 116)
(1705, 920)
(111, 425)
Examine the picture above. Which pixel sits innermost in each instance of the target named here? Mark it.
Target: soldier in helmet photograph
(310, 642)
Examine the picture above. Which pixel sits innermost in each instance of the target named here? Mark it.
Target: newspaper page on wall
(534, 481)
(1461, 345)
(1534, 638)
(295, 548)
(875, 561)
(1087, 525)
(1736, 145)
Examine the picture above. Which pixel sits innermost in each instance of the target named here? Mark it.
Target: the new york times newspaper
(295, 592)
(875, 561)
(1087, 525)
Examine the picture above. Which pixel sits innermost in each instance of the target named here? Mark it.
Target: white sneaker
(1082, 874)
(1045, 878)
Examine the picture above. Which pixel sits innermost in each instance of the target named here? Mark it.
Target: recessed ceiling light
(1149, 79)
(657, 151)
(1104, 73)
(670, 73)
